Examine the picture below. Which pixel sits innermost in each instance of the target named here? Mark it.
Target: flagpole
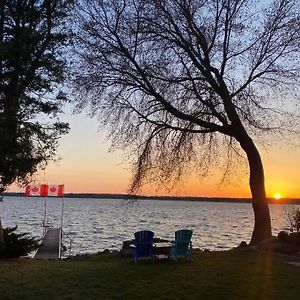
(61, 221)
(62, 211)
(45, 218)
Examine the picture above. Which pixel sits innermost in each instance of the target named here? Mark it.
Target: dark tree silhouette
(31, 68)
(173, 80)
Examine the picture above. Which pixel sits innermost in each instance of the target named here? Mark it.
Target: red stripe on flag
(44, 190)
(60, 190)
(27, 191)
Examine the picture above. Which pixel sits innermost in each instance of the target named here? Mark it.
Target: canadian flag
(39, 190)
(55, 190)
(44, 190)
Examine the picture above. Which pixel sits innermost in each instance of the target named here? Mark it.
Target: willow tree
(176, 80)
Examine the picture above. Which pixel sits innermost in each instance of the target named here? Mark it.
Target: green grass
(237, 274)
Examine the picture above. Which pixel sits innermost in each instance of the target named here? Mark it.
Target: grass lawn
(236, 274)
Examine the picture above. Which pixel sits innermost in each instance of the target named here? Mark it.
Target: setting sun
(277, 196)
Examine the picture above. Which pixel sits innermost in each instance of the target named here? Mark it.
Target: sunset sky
(87, 166)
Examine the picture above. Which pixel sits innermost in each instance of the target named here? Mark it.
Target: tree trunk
(262, 224)
(1, 228)
(1, 233)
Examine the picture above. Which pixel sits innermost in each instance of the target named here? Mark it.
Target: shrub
(283, 236)
(17, 244)
(295, 221)
(295, 238)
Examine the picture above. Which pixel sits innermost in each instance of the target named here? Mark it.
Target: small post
(44, 221)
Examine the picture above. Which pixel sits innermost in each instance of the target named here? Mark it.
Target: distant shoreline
(169, 198)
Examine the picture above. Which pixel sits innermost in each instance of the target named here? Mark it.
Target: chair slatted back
(182, 241)
(143, 243)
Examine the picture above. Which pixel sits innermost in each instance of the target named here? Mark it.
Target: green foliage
(17, 244)
(32, 66)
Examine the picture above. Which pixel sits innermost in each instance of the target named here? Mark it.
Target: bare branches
(185, 69)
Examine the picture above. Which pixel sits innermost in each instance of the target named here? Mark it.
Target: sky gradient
(86, 166)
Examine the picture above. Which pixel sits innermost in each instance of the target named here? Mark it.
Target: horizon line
(124, 195)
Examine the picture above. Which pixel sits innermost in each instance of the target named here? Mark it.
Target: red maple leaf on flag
(53, 189)
(35, 189)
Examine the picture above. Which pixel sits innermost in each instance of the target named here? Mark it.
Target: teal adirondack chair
(182, 245)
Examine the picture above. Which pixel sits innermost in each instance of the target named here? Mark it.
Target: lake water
(98, 224)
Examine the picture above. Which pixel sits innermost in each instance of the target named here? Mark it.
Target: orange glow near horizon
(106, 174)
(86, 166)
(115, 180)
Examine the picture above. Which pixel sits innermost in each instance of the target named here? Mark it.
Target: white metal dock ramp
(51, 245)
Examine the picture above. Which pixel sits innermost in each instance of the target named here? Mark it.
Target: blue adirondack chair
(182, 245)
(143, 245)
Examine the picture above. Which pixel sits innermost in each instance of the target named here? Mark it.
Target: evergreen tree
(33, 37)
(17, 244)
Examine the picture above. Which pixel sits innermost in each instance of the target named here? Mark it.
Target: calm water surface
(98, 224)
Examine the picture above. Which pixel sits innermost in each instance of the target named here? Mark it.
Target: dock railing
(70, 240)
